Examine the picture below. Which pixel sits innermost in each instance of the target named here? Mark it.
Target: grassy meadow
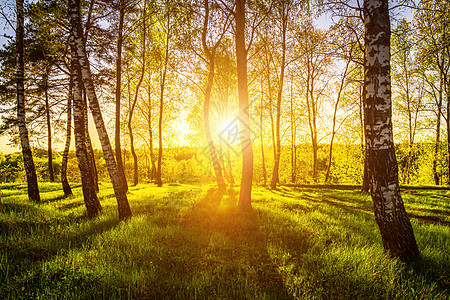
(184, 243)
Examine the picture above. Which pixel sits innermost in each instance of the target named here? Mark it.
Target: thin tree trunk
(150, 132)
(212, 148)
(89, 147)
(448, 139)
(245, 203)
(393, 222)
(210, 56)
(230, 169)
(293, 169)
(65, 183)
(75, 21)
(91, 201)
(261, 134)
(130, 129)
(161, 106)
(49, 130)
(272, 122)
(314, 130)
(118, 148)
(275, 175)
(30, 170)
(311, 118)
(333, 132)
(365, 186)
(438, 141)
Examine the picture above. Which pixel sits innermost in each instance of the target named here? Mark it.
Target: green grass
(304, 243)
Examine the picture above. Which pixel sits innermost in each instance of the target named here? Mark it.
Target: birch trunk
(245, 201)
(118, 95)
(80, 52)
(365, 186)
(390, 215)
(89, 148)
(30, 170)
(65, 183)
(91, 201)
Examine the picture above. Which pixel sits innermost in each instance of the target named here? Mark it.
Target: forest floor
(184, 242)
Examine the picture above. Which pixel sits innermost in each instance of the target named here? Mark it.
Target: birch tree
(118, 95)
(90, 198)
(30, 170)
(390, 215)
(80, 52)
(65, 183)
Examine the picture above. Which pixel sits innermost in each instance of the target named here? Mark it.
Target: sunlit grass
(183, 242)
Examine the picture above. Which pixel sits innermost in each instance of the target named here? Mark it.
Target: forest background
(314, 68)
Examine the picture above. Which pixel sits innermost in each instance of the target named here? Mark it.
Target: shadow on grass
(236, 249)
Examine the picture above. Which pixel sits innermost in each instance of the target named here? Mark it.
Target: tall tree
(210, 52)
(30, 170)
(136, 94)
(80, 52)
(284, 9)
(245, 194)
(49, 127)
(65, 183)
(161, 95)
(390, 214)
(90, 198)
(118, 95)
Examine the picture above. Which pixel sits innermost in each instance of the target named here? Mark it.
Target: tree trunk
(293, 169)
(65, 183)
(275, 175)
(245, 203)
(80, 52)
(314, 130)
(438, 139)
(333, 132)
(161, 106)
(30, 170)
(118, 148)
(448, 139)
(261, 134)
(49, 130)
(210, 56)
(150, 132)
(130, 129)
(89, 148)
(272, 122)
(311, 105)
(365, 186)
(230, 168)
(91, 201)
(393, 222)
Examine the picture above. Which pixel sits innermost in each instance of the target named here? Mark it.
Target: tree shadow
(234, 247)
